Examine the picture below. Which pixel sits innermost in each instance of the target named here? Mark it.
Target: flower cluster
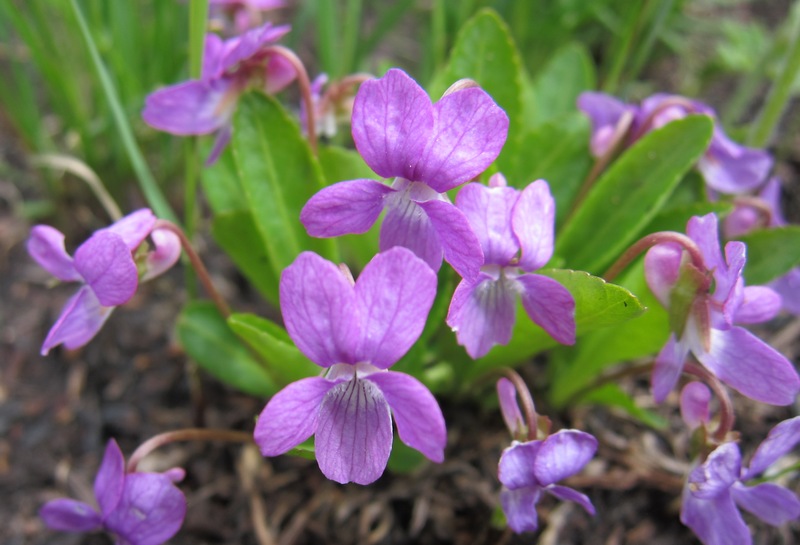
(528, 469)
(704, 322)
(716, 489)
(230, 67)
(109, 267)
(727, 167)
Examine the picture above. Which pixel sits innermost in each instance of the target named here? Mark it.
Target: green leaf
(557, 151)
(278, 174)
(286, 363)
(556, 87)
(221, 183)
(597, 304)
(485, 52)
(236, 232)
(574, 368)
(771, 253)
(208, 341)
(629, 195)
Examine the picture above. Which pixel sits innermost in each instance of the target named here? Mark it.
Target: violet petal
(419, 419)
(319, 310)
(515, 469)
(550, 305)
(533, 220)
(562, 455)
(192, 107)
(46, 247)
(291, 416)
(80, 320)
(395, 292)
(780, 441)
(134, 227)
(695, 398)
(488, 210)
(729, 167)
(468, 133)
(482, 314)
(507, 396)
(221, 141)
(407, 224)
(354, 434)
(662, 267)
(164, 255)
(344, 208)
(759, 304)
(717, 474)
(715, 521)
(106, 264)
(748, 364)
(768, 501)
(565, 493)
(668, 368)
(461, 247)
(392, 122)
(519, 507)
(68, 515)
(110, 479)
(150, 511)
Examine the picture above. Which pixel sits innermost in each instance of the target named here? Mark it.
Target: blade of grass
(780, 92)
(328, 39)
(147, 183)
(352, 31)
(387, 19)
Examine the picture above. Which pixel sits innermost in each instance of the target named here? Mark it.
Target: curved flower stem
(650, 240)
(187, 434)
(198, 266)
(726, 416)
(304, 83)
(525, 399)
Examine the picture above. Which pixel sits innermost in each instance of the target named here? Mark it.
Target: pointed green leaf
(236, 232)
(287, 363)
(597, 304)
(208, 341)
(556, 87)
(771, 253)
(576, 367)
(557, 151)
(630, 194)
(278, 175)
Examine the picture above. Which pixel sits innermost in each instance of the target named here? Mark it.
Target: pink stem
(197, 264)
(304, 83)
(650, 240)
(525, 399)
(188, 434)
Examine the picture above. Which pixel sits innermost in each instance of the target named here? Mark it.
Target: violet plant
(350, 359)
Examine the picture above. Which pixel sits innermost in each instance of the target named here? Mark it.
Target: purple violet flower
(703, 322)
(356, 332)
(428, 149)
(716, 490)
(515, 230)
(106, 266)
(230, 67)
(527, 469)
(137, 508)
(746, 218)
(727, 167)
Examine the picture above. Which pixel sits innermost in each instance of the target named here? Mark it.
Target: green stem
(147, 183)
(198, 17)
(778, 97)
